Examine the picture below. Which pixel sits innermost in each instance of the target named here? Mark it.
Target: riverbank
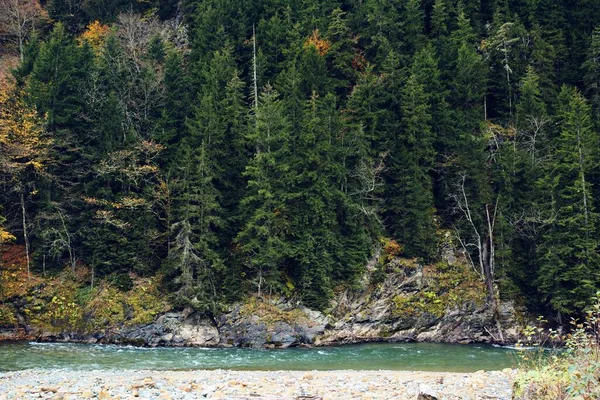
(273, 385)
(399, 300)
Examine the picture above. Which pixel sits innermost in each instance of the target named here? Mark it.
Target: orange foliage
(95, 34)
(13, 274)
(321, 45)
(391, 248)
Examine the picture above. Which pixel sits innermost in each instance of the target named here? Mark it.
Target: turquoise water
(386, 356)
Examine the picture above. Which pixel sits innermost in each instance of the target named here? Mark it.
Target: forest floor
(256, 385)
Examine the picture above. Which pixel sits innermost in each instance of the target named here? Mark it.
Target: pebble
(272, 385)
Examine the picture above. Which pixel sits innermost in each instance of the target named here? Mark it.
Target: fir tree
(261, 240)
(569, 253)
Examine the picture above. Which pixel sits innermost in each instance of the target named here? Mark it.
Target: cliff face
(399, 300)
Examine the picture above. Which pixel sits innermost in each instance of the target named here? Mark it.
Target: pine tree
(520, 164)
(414, 26)
(177, 105)
(592, 74)
(194, 262)
(342, 53)
(56, 78)
(262, 238)
(568, 274)
(410, 194)
(311, 206)
(220, 121)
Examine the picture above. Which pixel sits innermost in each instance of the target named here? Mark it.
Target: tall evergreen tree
(569, 253)
(410, 195)
(194, 262)
(261, 240)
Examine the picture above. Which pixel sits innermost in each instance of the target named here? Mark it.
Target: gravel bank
(273, 385)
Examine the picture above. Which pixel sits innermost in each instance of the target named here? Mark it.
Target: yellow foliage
(7, 315)
(5, 236)
(499, 133)
(321, 45)
(110, 307)
(67, 303)
(22, 140)
(95, 34)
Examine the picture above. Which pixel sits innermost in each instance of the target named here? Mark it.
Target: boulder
(282, 325)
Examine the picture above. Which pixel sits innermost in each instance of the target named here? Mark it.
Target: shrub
(571, 374)
(122, 281)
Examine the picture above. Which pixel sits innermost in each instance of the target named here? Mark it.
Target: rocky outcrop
(467, 324)
(400, 301)
(173, 329)
(275, 324)
(185, 328)
(442, 303)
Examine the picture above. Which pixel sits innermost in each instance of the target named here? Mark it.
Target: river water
(385, 356)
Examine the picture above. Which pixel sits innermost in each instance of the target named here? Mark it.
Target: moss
(269, 314)
(7, 315)
(67, 303)
(110, 307)
(447, 286)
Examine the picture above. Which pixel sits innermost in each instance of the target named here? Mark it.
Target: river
(379, 356)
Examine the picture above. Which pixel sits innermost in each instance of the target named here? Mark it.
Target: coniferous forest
(267, 146)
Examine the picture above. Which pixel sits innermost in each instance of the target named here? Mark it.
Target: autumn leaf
(23, 142)
(321, 45)
(95, 34)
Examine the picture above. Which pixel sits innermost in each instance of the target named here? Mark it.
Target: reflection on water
(385, 356)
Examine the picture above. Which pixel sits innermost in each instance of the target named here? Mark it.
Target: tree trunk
(487, 254)
(25, 236)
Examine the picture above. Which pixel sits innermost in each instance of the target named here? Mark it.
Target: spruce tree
(569, 252)
(262, 238)
(410, 205)
(194, 263)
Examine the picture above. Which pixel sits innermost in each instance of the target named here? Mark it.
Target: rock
(426, 392)
(425, 396)
(359, 315)
(240, 328)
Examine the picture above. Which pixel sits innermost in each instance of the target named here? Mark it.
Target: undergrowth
(573, 373)
(67, 302)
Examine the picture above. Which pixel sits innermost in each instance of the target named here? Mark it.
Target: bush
(122, 281)
(572, 374)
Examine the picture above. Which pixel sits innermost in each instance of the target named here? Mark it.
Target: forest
(269, 146)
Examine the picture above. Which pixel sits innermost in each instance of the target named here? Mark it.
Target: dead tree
(483, 244)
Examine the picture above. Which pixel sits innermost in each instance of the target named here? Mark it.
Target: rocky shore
(257, 385)
(399, 300)
(276, 323)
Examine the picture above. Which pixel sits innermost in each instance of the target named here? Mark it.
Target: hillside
(196, 155)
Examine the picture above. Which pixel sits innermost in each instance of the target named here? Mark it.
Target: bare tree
(135, 33)
(368, 174)
(18, 18)
(534, 134)
(61, 238)
(482, 242)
